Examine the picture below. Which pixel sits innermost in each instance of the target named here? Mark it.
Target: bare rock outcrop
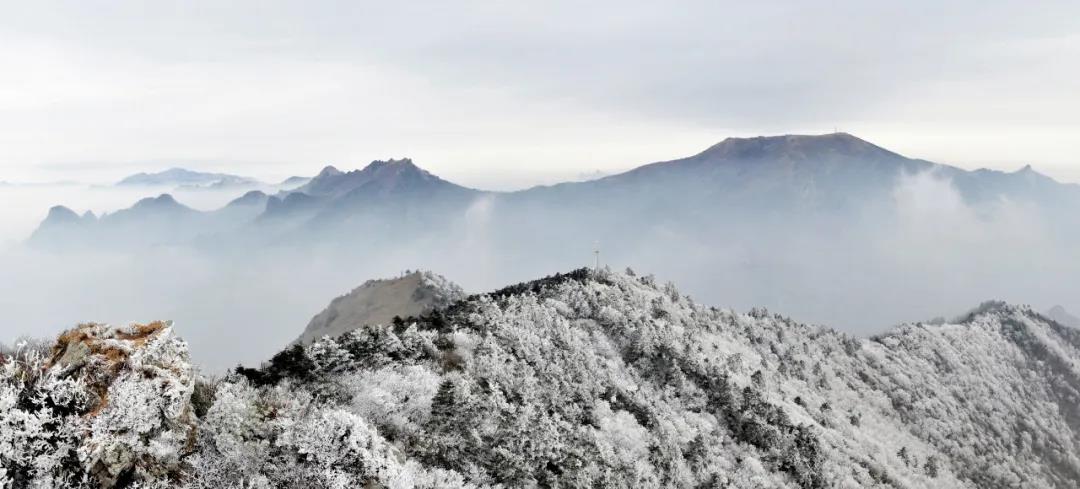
(378, 301)
(117, 404)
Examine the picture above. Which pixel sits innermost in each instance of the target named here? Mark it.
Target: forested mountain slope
(598, 379)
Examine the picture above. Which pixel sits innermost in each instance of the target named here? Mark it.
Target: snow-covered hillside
(589, 379)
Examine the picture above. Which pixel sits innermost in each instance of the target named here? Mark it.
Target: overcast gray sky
(503, 94)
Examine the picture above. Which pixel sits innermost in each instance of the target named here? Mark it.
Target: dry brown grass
(139, 333)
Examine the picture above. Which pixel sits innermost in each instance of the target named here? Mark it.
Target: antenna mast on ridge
(596, 251)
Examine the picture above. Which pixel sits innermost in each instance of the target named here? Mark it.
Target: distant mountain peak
(379, 176)
(163, 200)
(1062, 316)
(59, 220)
(795, 146)
(252, 197)
(1029, 174)
(60, 214)
(393, 162)
(164, 203)
(183, 177)
(295, 181)
(382, 169)
(328, 171)
(289, 204)
(825, 168)
(385, 168)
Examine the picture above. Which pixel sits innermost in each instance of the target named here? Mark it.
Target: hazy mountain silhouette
(1059, 314)
(293, 182)
(380, 177)
(829, 175)
(804, 223)
(254, 197)
(154, 221)
(180, 177)
(796, 172)
(395, 196)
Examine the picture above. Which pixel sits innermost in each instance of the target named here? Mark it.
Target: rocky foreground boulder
(104, 407)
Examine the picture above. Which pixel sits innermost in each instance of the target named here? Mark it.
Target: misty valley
(830, 229)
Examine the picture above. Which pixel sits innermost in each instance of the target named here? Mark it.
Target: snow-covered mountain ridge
(601, 379)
